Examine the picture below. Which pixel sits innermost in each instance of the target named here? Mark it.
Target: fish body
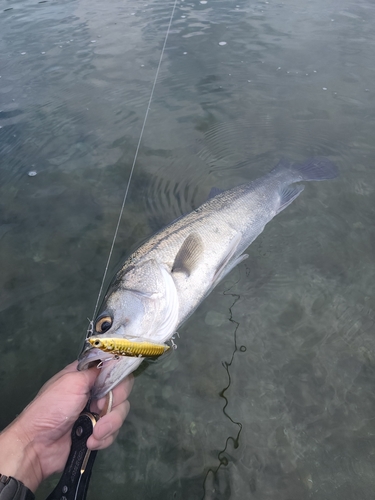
(126, 347)
(162, 283)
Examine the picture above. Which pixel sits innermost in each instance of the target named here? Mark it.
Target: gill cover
(141, 302)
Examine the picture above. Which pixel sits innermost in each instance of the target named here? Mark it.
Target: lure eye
(103, 324)
(97, 343)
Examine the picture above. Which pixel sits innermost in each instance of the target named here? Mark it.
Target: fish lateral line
(184, 262)
(125, 347)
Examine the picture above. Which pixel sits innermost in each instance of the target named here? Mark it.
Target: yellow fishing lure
(125, 347)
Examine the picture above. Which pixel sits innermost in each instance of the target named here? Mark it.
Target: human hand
(37, 443)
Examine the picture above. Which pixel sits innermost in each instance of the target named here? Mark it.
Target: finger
(86, 376)
(69, 381)
(120, 393)
(112, 422)
(108, 425)
(71, 367)
(93, 444)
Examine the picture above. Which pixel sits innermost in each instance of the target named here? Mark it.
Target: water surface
(270, 392)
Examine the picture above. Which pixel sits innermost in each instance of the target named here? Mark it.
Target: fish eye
(103, 324)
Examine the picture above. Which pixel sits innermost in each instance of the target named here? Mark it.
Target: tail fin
(316, 169)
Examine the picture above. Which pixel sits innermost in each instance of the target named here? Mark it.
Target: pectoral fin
(229, 261)
(230, 265)
(189, 255)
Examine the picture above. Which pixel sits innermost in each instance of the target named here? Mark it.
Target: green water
(270, 394)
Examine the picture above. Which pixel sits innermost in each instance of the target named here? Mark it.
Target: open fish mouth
(90, 356)
(112, 368)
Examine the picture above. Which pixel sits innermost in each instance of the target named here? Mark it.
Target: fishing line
(222, 455)
(90, 329)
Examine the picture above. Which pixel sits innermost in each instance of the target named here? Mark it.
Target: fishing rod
(75, 478)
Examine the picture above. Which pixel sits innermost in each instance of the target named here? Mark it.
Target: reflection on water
(270, 392)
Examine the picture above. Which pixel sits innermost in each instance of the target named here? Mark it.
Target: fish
(129, 347)
(163, 282)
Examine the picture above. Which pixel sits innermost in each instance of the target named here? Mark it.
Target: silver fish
(164, 280)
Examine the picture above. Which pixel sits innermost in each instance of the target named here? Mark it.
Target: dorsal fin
(189, 255)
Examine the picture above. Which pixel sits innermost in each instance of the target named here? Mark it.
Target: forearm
(18, 457)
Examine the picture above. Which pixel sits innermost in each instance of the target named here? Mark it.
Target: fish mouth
(112, 369)
(91, 356)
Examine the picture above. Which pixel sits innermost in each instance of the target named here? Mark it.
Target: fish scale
(163, 282)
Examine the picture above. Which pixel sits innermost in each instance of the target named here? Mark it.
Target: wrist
(18, 457)
(11, 488)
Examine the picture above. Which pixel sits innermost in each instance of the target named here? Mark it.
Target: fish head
(142, 303)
